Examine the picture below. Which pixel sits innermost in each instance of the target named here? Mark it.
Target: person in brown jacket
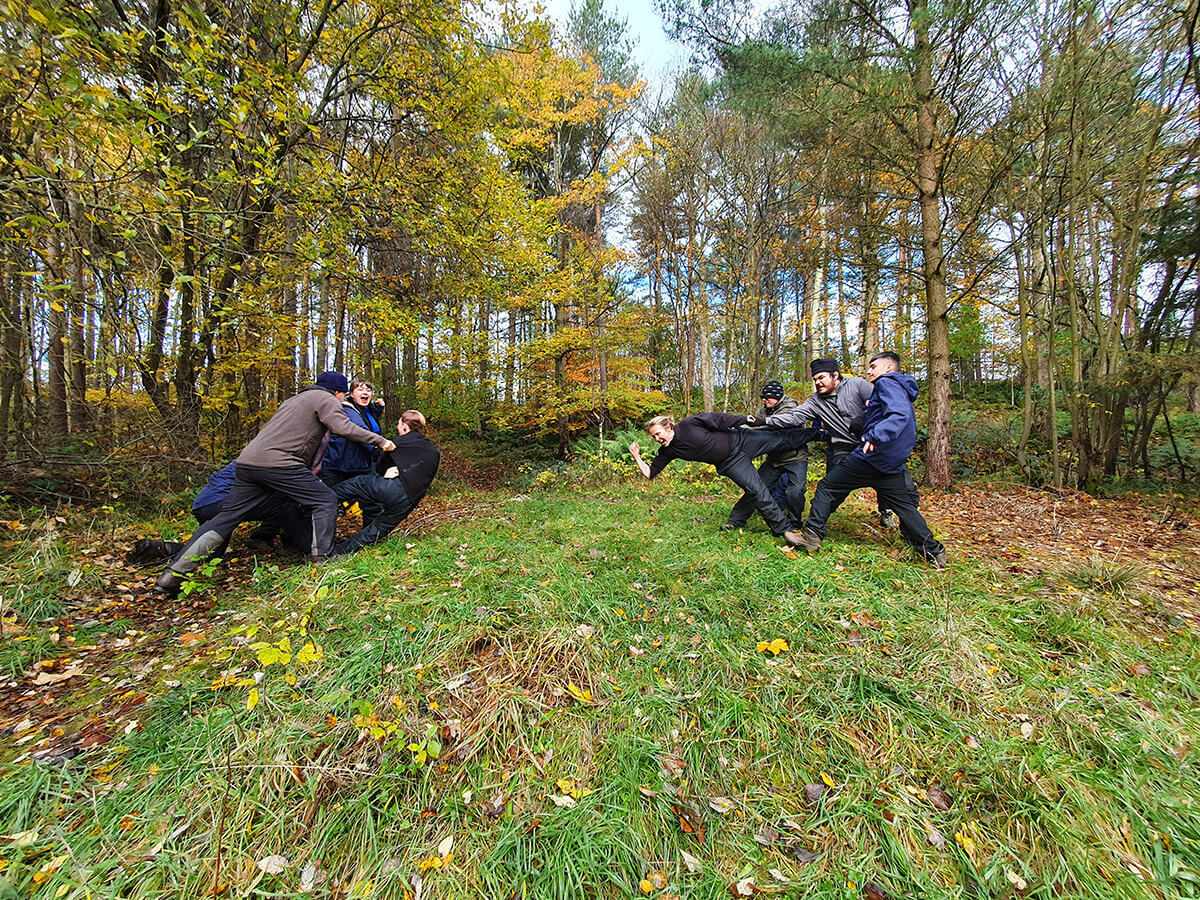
(279, 461)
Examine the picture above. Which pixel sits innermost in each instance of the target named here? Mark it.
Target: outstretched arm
(635, 451)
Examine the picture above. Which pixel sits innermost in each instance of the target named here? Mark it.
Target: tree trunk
(937, 451)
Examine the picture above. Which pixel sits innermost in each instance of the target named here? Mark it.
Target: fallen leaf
(935, 837)
(646, 886)
(1015, 880)
(585, 631)
(1026, 730)
(743, 888)
(646, 791)
(694, 866)
(657, 879)
(446, 846)
(828, 779)
(936, 794)
(872, 891)
(583, 696)
(800, 853)
(273, 865)
(767, 836)
(55, 677)
(673, 765)
(563, 801)
(189, 638)
(775, 647)
(865, 618)
(691, 818)
(308, 877)
(721, 805)
(1140, 669)
(813, 793)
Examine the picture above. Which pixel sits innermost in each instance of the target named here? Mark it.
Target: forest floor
(587, 690)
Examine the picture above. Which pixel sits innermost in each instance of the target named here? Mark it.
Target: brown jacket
(294, 433)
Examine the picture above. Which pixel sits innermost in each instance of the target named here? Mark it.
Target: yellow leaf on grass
(825, 777)
(252, 700)
(434, 862)
(775, 647)
(309, 653)
(582, 696)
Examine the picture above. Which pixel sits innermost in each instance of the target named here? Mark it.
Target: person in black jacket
(715, 438)
(402, 478)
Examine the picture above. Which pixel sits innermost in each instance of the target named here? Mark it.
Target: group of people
(325, 447)
(322, 448)
(870, 431)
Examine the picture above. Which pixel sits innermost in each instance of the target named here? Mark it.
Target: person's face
(879, 367)
(361, 395)
(662, 434)
(769, 402)
(341, 395)
(825, 382)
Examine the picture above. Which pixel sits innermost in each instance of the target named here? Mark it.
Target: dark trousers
(384, 504)
(739, 467)
(793, 494)
(252, 486)
(896, 492)
(833, 458)
(277, 514)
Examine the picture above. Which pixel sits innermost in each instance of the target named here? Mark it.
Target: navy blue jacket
(347, 456)
(891, 424)
(217, 488)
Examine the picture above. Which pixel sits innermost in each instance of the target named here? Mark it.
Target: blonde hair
(661, 422)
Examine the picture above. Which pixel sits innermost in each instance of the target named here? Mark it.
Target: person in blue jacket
(276, 513)
(880, 462)
(344, 459)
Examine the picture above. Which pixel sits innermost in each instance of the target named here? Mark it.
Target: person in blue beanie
(880, 461)
(279, 460)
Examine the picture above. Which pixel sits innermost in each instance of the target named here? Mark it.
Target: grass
(483, 640)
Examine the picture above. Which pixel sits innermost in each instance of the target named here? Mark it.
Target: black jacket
(417, 458)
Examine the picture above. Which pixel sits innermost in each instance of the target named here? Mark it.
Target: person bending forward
(716, 439)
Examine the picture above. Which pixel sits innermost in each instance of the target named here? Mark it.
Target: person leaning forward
(790, 463)
(402, 480)
(880, 462)
(716, 439)
(278, 461)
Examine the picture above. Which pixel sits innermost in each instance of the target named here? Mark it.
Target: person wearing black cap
(792, 464)
(889, 434)
(838, 406)
(279, 461)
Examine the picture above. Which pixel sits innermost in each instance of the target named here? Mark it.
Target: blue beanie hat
(333, 381)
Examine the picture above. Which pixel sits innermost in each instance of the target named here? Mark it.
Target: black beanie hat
(825, 365)
(772, 389)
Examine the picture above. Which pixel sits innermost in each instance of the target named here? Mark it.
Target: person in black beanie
(838, 407)
(791, 465)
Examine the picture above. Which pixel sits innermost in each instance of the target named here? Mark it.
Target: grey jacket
(841, 413)
(294, 433)
(785, 405)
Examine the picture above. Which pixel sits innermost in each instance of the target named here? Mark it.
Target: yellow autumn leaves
(775, 647)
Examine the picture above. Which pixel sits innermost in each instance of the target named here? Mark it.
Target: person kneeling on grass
(715, 438)
(275, 513)
(401, 481)
(888, 436)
